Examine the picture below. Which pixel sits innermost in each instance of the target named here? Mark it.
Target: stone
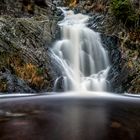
(25, 40)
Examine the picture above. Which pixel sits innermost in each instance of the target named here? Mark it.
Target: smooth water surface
(70, 117)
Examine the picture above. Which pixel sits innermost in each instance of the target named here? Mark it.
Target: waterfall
(81, 55)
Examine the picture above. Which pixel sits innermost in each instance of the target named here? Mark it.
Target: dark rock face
(111, 44)
(131, 59)
(11, 83)
(25, 39)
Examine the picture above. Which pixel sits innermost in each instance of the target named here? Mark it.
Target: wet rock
(111, 44)
(130, 55)
(11, 83)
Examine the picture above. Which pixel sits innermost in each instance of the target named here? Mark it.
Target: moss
(3, 58)
(9, 60)
(70, 3)
(131, 55)
(73, 3)
(3, 85)
(124, 11)
(40, 71)
(31, 74)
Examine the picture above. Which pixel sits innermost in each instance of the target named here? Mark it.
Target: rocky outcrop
(27, 30)
(130, 48)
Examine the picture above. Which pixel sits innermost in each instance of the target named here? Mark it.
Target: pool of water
(70, 116)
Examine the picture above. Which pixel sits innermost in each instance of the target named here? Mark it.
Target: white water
(83, 59)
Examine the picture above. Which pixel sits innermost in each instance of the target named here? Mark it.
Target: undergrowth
(125, 11)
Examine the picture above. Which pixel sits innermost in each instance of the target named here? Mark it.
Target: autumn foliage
(73, 3)
(29, 73)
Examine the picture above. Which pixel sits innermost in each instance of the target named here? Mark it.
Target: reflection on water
(80, 121)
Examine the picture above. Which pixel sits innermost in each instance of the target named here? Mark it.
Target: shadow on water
(95, 116)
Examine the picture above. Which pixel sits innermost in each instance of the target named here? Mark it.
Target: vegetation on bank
(30, 73)
(126, 12)
(24, 61)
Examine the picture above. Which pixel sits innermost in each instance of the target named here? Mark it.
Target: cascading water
(83, 59)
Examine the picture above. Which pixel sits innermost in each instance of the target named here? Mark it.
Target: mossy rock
(125, 11)
(24, 44)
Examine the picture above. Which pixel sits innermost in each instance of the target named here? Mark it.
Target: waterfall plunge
(83, 59)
